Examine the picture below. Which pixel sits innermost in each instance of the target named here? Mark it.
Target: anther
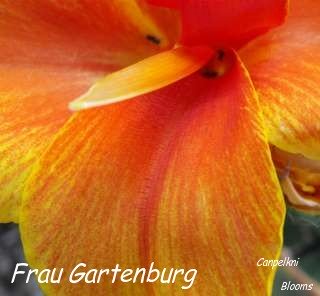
(220, 54)
(218, 65)
(153, 39)
(209, 73)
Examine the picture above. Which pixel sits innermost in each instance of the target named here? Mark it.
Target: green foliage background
(302, 239)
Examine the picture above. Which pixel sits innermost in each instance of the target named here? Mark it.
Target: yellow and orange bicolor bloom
(174, 166)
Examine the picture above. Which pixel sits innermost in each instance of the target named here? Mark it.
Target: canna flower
(167, 159)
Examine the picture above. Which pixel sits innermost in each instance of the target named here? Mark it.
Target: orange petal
(285, 68)
(147, 75)
(33, 106)
(181, 176)
(100, 34)
(226, 23)
(50, 53)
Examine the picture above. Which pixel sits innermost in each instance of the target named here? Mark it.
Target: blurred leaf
(282, 277)
(302, 239)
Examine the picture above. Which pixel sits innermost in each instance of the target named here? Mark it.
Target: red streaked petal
(285, 68)
(181, 176)
(226, 23)
(101, 34)
(145, 76)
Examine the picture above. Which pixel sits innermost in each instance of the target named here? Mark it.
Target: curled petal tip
(144, 77)
(76, 106)
(82, 103)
